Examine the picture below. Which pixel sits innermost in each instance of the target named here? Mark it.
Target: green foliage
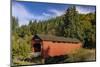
(20, 47)
(70, 23)
(80, 26)
(14, 24)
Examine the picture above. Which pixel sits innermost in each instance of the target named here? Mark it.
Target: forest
(72, 24)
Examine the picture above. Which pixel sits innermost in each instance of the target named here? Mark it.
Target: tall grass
(82, 55)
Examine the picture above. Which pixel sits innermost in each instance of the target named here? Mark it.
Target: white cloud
(19, 11)
(57, 12)
(46, 14)
(84, 10)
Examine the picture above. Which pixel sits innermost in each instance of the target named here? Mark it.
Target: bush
(82, 55)
(20, 48)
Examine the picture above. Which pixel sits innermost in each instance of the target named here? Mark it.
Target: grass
(82, 55)
(30, 60)
(20, 62)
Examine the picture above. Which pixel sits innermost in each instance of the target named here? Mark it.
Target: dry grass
(82, 55)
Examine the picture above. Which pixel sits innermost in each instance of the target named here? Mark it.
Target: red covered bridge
(50, 46)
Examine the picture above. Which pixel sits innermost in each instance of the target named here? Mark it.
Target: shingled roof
(56, 38)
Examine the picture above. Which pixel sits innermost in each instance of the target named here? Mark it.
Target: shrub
(81, 55)
(20, 48)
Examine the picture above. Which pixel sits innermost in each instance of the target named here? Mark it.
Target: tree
(71, 21)
(14, 24)
(80, 26)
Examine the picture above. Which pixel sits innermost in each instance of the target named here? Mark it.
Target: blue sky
(26, 11)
